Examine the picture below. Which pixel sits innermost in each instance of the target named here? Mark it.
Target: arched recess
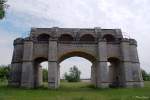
(65, 37)
(43, 37)
(38, 77)
(109, 38)
(84, 55)
(115, 73)
(87, 37)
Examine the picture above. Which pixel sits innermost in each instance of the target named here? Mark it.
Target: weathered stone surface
(54, 45)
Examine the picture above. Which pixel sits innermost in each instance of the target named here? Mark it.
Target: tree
(45, 75)
(4, 71)
(74, 75)
(2, 8)
(145, 75)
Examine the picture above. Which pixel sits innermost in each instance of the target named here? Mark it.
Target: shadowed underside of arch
(65, 37)
(77, 53)
(43, 37)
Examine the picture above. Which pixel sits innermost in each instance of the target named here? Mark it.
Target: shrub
(74, 75)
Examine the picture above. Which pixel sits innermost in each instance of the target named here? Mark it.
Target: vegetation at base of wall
(145, 75)
(74, 75)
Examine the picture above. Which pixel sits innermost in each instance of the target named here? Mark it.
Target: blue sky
(131, 16)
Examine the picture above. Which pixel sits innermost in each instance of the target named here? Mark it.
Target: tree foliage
(145, 75)
(74, 75)
(45, 75)
(2, 8)
(4, 71)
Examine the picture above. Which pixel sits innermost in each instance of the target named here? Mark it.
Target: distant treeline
(5, 72)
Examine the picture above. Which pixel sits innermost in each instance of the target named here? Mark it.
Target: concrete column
(136, 70)
(40, 75)
(53, 65)
(27, 67)
(93, 74)
(16, 64)
(126, 63)
(102, 71)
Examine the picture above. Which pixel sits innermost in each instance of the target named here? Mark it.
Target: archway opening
(87, 37)
(114, 70)
(43, 37)
(65, 37)
(85, 64)
(40, 72)
(109, 38)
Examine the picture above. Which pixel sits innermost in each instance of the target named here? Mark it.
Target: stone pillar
(126, 63)
(102, 71)
(27, 67)
(40, 75)
(136, 71)
(93, 74)
(53, 65)
(16, 64)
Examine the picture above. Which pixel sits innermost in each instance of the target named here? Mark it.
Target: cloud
(6, 46)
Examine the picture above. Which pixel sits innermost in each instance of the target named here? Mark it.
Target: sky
(132, 17)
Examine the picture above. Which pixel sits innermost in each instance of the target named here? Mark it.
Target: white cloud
(6, 46)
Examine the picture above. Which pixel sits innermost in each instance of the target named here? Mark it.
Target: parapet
(18, 41)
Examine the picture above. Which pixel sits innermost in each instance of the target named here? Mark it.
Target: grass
(74, 91)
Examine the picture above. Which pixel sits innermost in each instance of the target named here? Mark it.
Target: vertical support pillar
(16, 64)
(93, 74)
(136, 71)
(126, 63)
(102, 71)
(40, 75)
(27, 67)
(53, 65)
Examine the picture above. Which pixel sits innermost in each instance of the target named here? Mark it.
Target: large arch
(84, 55)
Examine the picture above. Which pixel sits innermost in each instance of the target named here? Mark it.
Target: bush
(74, 75)
(45, 75)
(145, 75)
(4, 72)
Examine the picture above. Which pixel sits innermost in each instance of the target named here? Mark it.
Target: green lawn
(75, 91)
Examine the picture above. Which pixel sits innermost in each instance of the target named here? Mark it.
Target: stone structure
(54, 45)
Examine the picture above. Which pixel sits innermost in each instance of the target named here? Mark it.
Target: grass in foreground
(75, 91)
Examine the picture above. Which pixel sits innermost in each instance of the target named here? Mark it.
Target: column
(40, 75)
(102, 71)
(53, 65)
(27, 67)
(16, 64)
(126, 63)
(93, 74)
(136, 70)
